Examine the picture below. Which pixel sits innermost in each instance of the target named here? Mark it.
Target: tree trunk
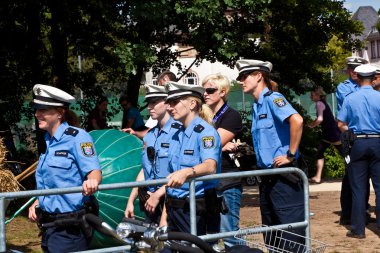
(134, 84)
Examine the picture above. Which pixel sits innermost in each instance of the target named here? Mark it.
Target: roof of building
(369, 17)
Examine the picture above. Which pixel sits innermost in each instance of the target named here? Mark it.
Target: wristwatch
(290, 155)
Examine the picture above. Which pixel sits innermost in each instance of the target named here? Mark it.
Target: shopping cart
(273, 240)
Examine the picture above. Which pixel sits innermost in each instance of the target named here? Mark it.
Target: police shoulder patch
(176, 125)
(208, 142)
(199, 128)
(279, 102)
(87, 148)
(71, 131)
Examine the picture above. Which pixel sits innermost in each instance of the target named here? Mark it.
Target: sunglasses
(211, 90)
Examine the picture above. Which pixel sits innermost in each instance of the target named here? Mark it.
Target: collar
(366, 87)
(190, 128)
(353, 82)
(59, 132)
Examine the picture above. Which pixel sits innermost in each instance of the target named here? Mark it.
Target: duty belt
(184, 203)
(61, 219)
(365, 136)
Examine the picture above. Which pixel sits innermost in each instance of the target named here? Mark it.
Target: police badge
(208, 142)
(280, 102)
(87, 148)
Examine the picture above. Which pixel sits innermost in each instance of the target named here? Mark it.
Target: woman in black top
(330, 130)
(228, 123)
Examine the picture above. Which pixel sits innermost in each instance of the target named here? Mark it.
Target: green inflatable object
(120, 158)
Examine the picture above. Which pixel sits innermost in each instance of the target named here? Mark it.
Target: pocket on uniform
(267, 133)
(189, 162)
(60, 162)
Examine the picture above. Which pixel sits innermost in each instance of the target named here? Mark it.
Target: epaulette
(268, 93)
(198, 128)
(349, 93)
(176, 125)
(71, 131)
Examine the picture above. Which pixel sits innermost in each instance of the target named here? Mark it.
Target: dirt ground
(22, 234)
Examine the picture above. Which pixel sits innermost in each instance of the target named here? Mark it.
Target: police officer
(360, 113)
(276, 132)
(199, 153)
(376, 80)
(155, 159)
(69, 160)
(343, 90)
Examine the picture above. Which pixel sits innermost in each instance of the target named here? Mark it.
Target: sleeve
(210, 144)
(85, 153)
(320, 108)
(232, 122)
(342, 113)
(341, 93)
(281, 108)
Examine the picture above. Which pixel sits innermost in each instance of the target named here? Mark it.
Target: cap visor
(154, 99)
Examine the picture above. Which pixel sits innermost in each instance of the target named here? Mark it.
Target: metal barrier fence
(59, 191)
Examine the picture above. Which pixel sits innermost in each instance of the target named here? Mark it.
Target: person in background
(330, 131)
(131, 115)
(343, 90)
(150, 123)
(376, 80)
(276, 132)
(228, 123)
(359, 114)
(155, 157)
(70, 160)
(198, 153)
(97, 119)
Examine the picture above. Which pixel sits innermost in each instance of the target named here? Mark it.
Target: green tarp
(120, 158)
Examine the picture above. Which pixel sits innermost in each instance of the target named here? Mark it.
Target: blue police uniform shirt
(361, 111)
(197, 143)
(344, 89)
(156, 152)
(270, 130)
(70, 155)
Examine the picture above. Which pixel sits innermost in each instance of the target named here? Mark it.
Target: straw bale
(8, 182)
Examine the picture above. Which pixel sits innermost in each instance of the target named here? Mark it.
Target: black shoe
(344, 222)
(354, 235)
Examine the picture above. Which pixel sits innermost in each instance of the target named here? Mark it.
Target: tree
(119, 40)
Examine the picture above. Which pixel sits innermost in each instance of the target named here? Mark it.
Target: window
(373, 50)
(378, 48)
(191, 78)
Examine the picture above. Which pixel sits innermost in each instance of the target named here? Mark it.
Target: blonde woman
(228, 123)
(198, 153)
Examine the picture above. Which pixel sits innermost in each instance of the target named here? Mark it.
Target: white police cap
(353, 61)
(365, 70)
(377, 68)
(176, 90)
(246, 66)
(49, 96)
(155, 92)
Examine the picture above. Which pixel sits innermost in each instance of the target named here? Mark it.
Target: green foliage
(334, 164)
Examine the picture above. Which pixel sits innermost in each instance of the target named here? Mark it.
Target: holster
(214, 203)
(347, 139)
(291, 177)
(143, 196)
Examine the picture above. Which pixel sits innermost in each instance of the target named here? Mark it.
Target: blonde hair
(221, 82)
(204, 110)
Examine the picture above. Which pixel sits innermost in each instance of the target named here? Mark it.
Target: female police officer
(155, 156)
(276, 132)
(360, 114)
(198, 154)
(69, 160)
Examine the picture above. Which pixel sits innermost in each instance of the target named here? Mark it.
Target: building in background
(370, 36)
